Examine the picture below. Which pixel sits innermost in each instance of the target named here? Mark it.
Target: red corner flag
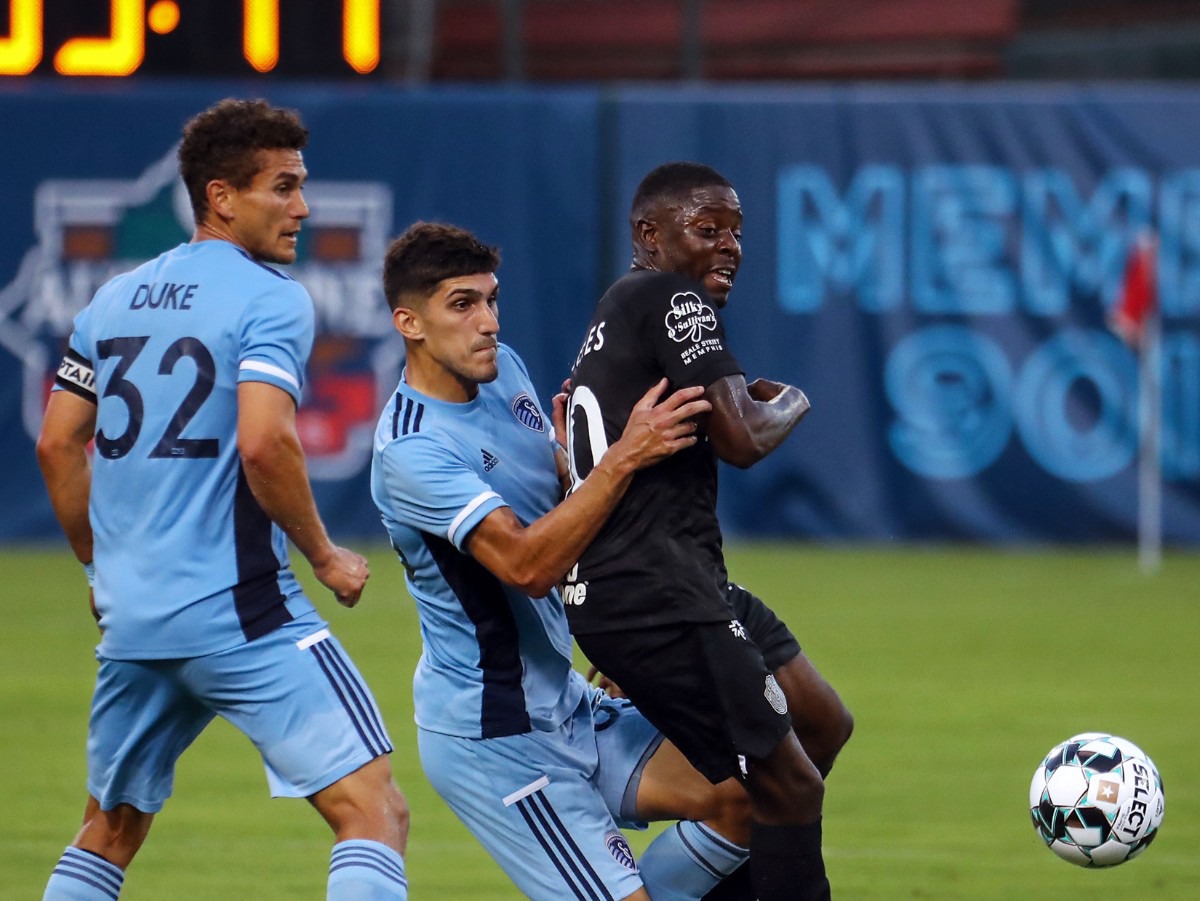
(1139, 295)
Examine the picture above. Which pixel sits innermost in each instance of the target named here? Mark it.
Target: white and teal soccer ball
(1096, 800)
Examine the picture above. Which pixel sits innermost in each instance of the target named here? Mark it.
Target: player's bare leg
(369, 816)
(787, 793)
(819, 718)
(116, 835)
(823, 725)
(672, 789)
(95, 863)
(686, 860)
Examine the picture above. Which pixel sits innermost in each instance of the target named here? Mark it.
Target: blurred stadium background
(943, 199)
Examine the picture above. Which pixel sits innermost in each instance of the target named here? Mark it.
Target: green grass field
(963, 667)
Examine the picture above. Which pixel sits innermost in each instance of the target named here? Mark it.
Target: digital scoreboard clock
(198, 38)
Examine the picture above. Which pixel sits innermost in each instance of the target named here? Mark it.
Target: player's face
(459, 327)
(268, 212)
(702, 238)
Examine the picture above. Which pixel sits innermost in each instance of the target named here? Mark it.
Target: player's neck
(434, 380)
(208, 231)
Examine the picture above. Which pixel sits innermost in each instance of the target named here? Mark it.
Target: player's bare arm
(273, 461)
(68, 426)
(750, 421)
(535, 558)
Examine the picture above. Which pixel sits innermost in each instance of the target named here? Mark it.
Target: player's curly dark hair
(429, 253)
(223, 143)
(672, 180)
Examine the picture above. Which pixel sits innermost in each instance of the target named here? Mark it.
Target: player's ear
(220, 197)
(408, 323)
(645, 236)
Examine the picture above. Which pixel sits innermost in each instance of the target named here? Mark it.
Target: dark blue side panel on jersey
(256, 596)
(483, 600)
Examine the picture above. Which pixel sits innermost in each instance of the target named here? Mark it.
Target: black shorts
(704, 685)
(768, 631)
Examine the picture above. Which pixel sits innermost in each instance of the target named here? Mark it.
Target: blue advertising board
(933, 265)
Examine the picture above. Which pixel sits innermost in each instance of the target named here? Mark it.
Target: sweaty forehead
(718, 199)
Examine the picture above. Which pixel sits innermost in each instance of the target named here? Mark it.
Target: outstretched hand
(657, 430)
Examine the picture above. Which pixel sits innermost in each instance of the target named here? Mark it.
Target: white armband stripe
(467, 511)
(268, 369)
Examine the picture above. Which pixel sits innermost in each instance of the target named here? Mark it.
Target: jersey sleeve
(430, 488)
(685, 333)
(277, 337)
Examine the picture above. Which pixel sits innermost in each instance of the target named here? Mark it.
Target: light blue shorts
(293, 692)
(545, 805)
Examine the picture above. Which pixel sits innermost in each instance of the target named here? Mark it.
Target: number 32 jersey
(187, 563)
(658, 558)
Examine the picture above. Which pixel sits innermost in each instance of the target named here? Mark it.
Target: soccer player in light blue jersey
(466, 474)
(186, 372)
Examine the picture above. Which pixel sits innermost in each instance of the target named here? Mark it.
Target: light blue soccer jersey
(495, 662)
(187, 563)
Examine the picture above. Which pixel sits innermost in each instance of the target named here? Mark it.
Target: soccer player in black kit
(650, 601)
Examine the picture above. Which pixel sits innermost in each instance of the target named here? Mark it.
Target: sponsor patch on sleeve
(75, 374)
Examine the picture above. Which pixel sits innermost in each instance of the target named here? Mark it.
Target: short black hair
(671, 181)
(427, 254)
(223, 143)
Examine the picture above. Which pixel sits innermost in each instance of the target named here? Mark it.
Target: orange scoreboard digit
(121, 38)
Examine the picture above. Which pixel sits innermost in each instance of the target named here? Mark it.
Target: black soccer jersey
(658, 558)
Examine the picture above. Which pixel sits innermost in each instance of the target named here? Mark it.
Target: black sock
(734, 887)
(786, 863)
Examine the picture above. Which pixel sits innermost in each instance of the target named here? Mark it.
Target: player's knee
(397, 808)
(116, 835)
(366, 804)
(806, 787)
(386, 810)
(389, 803)
(845, 729)
(823, 738)
(840, 728)
(786, 786)
(789, 802)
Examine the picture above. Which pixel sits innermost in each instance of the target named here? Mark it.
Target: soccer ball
(1096, 800)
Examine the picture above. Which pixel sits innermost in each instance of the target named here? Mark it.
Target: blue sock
(686, 861)
(83, 876)
(361, 870)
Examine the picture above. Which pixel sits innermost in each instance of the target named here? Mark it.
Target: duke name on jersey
(161, 350)
(495, 662)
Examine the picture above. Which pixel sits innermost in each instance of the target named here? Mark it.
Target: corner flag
(1136, 319)
(1139, 297)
